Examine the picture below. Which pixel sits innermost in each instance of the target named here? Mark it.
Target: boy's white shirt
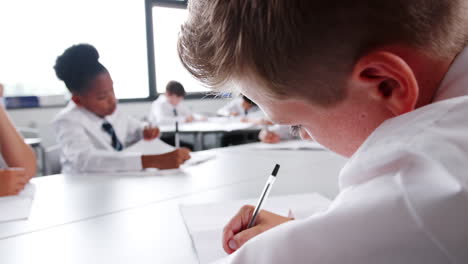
(162, 112)
(403, 195)
(86, 147)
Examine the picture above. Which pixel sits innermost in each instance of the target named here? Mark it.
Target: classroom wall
(40, 118)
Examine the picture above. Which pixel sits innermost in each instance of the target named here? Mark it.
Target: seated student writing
(382, 82)
(275, 134)
(240, 106)
(91, 130)
(17, 159)
(244, 108)
(170, 107)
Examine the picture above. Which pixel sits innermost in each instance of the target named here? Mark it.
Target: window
(34, 33)
(167, 20)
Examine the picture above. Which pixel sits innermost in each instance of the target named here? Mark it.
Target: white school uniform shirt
(86, 147)
(235, 106)
(403, 195)
(162, 112)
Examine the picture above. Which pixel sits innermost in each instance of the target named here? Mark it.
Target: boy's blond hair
(274, 39)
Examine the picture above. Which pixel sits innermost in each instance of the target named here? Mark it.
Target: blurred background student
(170, 107)
(91, 130)
(275, 134)
(240, 106)
(245, 109)
(17, 159)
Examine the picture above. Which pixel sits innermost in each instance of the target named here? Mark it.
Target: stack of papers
(205, 222)
(17, 207)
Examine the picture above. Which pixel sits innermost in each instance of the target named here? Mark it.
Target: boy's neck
(429, 71)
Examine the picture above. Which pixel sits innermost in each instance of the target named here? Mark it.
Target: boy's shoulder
(435, 133)
(160, 101)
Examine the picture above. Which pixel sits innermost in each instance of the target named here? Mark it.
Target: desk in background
(214, 125)
(134, 217)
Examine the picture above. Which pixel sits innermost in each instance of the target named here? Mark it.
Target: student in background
(240, 106)
(170, 107)
(91, 130)
(275, 133)
(385, 84)
(17, 159)
(246, 109)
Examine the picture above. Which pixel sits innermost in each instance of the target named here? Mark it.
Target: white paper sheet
(153, 147)
(156, 147)
(198, 158)
(205, 222)
(17, 207)
(290, 145)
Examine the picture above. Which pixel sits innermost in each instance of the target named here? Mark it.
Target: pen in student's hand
(265, 192)
(176, 136)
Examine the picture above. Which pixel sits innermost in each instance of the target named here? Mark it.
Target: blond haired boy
(382, 82)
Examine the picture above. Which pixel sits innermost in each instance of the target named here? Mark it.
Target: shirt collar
(455, 82)
(93, 117)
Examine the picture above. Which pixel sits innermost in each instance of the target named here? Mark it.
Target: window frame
(149, 4)
(151, 60)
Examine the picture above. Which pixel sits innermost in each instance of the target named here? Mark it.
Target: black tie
(106, 126)
(175, 112)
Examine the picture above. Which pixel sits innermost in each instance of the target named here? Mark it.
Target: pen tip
(275, 170)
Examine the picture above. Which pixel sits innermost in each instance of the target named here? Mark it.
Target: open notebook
(17, 207)
(205, 222)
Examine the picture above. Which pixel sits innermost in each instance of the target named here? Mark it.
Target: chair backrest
(28, 132)
(52, 163)
(48, 137)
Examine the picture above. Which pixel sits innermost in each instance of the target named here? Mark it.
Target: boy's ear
(388, 79)
(77, 100)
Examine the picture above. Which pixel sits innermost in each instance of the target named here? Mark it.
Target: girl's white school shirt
(86, 147)
(162, 112)
(403, 195)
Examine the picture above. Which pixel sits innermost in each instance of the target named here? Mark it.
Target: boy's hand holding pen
(251, 221)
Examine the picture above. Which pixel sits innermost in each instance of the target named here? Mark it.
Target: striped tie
(106, 126)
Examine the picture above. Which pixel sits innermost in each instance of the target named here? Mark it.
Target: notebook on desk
(156, 147)
(17, 207)
(153, 147)
(205, 222)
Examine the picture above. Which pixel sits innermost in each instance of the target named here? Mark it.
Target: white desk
(135, 218)
(213, 125)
